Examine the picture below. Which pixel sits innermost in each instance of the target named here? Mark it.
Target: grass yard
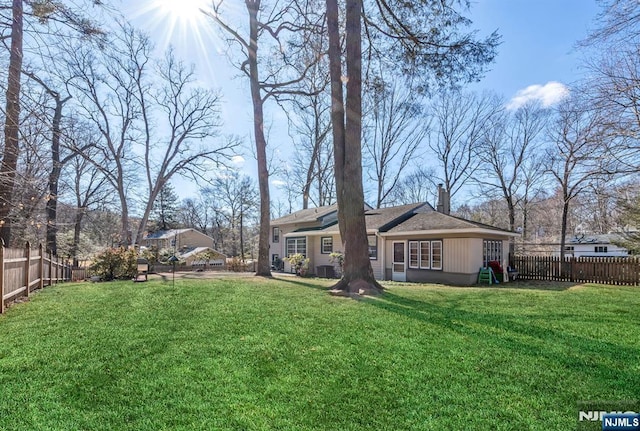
(255, 354)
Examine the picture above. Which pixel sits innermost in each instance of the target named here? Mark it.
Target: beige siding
(194, 238)
(462, 255)
(376, 265)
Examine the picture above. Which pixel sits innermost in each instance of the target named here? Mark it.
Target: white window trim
(322, 245)
(439, 268)
(296, 240)
(430, 263)
(419, 245)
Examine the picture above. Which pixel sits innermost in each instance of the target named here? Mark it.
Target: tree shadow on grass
(539, 285)
(552, 344)
(299, 281)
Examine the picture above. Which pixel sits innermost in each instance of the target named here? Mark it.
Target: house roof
(306, 215)
(192, 251)
(382, 219)
(376, 219)
(165, 234)
(608, 238)
(437, 221)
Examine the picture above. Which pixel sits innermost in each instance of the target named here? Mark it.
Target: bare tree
(88, 185)
(104, 85)
(125, 103)
(40, 12)
(270, 29)
(310, 130)
(417, 186)
(506, 146)
(194, 213)
(192, 117)
(235, 199)
(575, 157)
(458, 126)
(9, 164)
(393, 132)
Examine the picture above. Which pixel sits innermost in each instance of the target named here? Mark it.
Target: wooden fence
(605, 270)
(23, 270)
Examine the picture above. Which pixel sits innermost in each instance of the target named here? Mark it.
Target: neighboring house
(203, 257)
(406, 243)
(177, 239)
(594, 246)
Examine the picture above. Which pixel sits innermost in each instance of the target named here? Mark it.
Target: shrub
(116, 264)
(299, 262)
(236, 264)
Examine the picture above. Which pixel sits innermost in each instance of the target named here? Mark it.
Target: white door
(399, 264)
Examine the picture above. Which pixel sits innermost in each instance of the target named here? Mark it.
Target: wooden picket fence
(23, 270)
(604, 270)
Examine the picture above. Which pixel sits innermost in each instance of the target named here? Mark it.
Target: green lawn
(255, 354)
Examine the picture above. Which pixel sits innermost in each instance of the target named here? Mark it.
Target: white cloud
(547, 94)
(237, 160)
(278, 183)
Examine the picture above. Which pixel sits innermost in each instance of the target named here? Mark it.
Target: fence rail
(23, 270)
(605, 270)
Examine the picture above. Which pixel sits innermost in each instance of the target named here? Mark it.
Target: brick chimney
(444, 200)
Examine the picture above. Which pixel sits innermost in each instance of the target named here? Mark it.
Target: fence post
(27, 265)
(50, 268)
(41, 266)
(1, 276)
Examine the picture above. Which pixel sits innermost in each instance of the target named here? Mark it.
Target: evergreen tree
(165, 209)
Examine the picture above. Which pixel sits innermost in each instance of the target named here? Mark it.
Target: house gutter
(450, 231)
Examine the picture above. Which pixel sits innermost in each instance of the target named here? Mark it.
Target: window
(326, 246)
(492, 250)
(436, 254)
(414, 254)
(425, 254)
(297, 245)
(373, 247)
(601, 249)
(276, 234)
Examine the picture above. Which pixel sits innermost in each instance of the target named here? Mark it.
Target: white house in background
(406, 243)
(594, 246)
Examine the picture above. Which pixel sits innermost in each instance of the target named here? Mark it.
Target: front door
(398, 266)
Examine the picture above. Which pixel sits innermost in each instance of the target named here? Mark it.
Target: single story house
(177, 239)
(406, 243)
(594, 246)
(203, 257)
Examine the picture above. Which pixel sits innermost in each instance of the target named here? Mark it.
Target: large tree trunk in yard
(357, 277)
(264, 264)
(12, 123)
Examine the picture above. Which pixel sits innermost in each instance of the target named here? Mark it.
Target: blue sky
(538, 48)
(537, 58)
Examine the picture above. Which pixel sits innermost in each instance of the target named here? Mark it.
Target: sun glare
(187, 11)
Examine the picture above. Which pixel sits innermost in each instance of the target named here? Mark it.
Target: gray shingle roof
(304, 216)
(434, 220)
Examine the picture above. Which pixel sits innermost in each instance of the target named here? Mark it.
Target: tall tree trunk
(241, 237)
(337, 102)
(563, 236)
(12, 123)
(77, 228)
(54, 176)
(264, 265)
(347, 133)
